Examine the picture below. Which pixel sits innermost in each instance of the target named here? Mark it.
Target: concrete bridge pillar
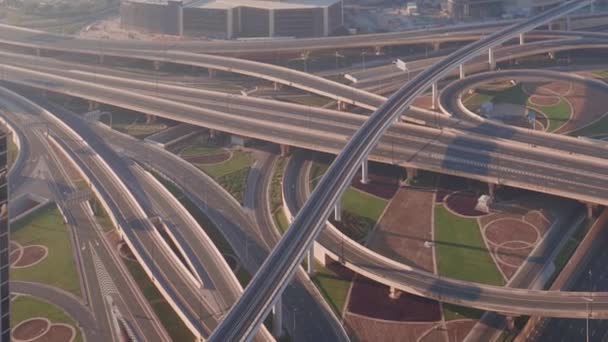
(285, 150)
(277, 318)
(38, 52)
(434, 94)
(101, 59)
(491, 59)
(462, 71)
(338, 211)
(491, 190)
(150, 118)
(93, 105)
(568, 23)
(157, 65)
(436, 46)
(394, 293)
(364, 171)
(522, 39)
(276, 86)
(212, 73)
(213, 133)
(592, 7)
(590, 210)
(411, 174)
(311, 260)
(342, 106)
(510, 323)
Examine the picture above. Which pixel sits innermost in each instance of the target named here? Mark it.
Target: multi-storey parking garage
(234, 19)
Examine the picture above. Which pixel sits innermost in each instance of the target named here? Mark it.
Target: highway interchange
(442, 149)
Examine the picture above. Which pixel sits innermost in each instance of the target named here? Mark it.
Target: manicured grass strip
(558, 114)
(317, 170)
(461, 252)
(133, 125)
(46, 227)
(26, 307)
(195, 151)
(596, 128)
(452, 312)
(281, 220)
(238, 161)
(235, 183)
(276, 190)
(102, 217)
(333, 287)
(363, 204)
(601, 74)
(171, 321)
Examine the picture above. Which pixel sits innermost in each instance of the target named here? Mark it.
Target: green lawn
(133, 125)
(276, 190)
(452, 312)
(238, 161)
(317, 170)
(363, 204)
(170, 320)
(102, 217)
(198, 150)
(558, 114)
(596, 128)
(26, 307)
(461, 252)
(46, 227)
(231, 174)
(475, 101)
(281, 220)
(333, 287)
(601, 74)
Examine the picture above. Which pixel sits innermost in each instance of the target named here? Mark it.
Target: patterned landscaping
(35, 320)
(462, 203)
(45, 250)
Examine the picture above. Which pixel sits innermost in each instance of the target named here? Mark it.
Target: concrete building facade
(230, 19)
(460, 9)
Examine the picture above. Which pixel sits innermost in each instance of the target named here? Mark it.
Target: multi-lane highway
(132, 304)
(246, 316)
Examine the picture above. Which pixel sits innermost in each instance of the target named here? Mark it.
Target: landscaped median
(462, 254)
(41, 321)
(44, 250)
(133, 124)
(230, 168)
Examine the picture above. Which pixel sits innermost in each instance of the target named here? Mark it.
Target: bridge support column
(590, 210)
(212, 73)
(38, 52)
(213, 133)
(285, 150)
(93, 105)
(101, 59)
(510, 323)
(522, 39)
(491, 190)
(364, 171)
(338, 211)
(411, 174)
(342, 106)
(568, 23)
(491, 59)
(434, 96)
(276, 86)
(311, 260)
(592, 7)
(394, 293)
(277, 318)
(462, 71)
(157, 65)
(436, 46)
